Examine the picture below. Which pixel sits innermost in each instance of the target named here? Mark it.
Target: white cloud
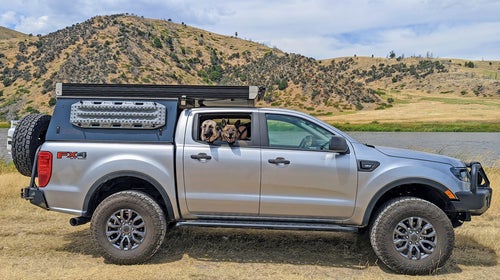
(8, 18)
(316, 28)
(33, 25)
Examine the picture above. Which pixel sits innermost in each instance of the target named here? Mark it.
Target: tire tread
(142, 200)
(28, 136)
(379, 231)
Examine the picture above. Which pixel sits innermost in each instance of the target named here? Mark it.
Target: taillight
(44, 168)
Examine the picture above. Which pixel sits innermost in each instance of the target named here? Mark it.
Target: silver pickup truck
(135, 160)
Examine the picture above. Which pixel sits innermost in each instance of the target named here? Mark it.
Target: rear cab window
(211, 128)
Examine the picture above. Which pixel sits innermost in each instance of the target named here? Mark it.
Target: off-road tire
(28, 136)
(423, 247)
(131, 213)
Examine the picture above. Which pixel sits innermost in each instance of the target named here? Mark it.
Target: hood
(410, 154)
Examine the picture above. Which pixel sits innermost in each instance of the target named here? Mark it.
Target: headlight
(461, 173)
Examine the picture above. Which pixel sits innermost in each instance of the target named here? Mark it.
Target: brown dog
(209, 131)
(230, 132)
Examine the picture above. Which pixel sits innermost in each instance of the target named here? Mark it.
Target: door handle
(201, 156)
(279, 161)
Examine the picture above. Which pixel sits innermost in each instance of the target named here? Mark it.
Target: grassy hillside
(458, 98)
(354, 90)
(6, 34)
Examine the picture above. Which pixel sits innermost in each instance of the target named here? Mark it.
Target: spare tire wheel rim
(415, 238)
(125, 229)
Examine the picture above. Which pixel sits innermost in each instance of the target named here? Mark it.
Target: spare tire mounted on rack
(28, 136)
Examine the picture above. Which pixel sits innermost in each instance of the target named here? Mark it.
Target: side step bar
(267, 225)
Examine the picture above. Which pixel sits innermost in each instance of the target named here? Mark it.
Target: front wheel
(412, 236)
(129, 227)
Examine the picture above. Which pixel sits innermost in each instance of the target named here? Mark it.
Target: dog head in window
(230, 132)
(209, 131)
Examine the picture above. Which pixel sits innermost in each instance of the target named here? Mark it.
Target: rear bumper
(36, 196)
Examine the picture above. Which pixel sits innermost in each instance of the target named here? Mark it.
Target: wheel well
(421, 191)
(123, 183)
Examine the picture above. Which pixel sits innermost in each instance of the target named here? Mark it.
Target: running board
(267, 225)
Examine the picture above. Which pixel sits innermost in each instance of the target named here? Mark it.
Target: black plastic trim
(407, 181)
(367, 165)
(476, 203)
(478, 177)
(156, 91)
(267, 225)
(96, 186)
(36, 197)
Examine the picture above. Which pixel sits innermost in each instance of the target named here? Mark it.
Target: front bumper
(36, 196)
(474, 203)
(478, 199)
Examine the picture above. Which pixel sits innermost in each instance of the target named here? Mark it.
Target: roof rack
(188, 95)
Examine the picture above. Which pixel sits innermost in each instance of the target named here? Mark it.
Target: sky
(467, 29)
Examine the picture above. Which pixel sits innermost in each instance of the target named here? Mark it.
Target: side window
(223, 128)
(289, 132)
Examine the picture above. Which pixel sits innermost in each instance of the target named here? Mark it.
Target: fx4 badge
(72, 155)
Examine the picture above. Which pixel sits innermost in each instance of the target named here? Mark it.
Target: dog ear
(224, 123)
(237, 123)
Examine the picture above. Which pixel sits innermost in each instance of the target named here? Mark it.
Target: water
(482, 147)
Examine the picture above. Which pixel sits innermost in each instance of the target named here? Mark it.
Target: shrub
(32, 110)
(7, 81)
(283, 84)
(215, 73)
(47, 86)
(157, 43)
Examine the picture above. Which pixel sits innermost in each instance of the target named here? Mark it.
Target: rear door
(300, 177)
(221, 178)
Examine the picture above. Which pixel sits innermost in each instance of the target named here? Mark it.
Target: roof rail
(189, 95)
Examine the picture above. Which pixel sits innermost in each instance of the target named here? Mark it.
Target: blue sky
(468, 29)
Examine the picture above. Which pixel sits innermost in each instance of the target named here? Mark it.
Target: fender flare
(114, 175)
(406, 181)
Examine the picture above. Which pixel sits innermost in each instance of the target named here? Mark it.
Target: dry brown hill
(6, 33)
(132, 49)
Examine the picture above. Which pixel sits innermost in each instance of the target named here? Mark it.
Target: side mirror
(338, 144)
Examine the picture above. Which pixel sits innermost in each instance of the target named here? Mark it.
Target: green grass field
(468, 126)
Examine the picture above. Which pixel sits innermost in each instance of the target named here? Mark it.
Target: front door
(300, 177)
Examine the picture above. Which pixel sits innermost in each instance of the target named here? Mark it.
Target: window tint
(290, 132)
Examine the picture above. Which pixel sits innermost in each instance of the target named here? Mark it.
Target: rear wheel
(412, 236)
(129, 227)
(28, 136)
